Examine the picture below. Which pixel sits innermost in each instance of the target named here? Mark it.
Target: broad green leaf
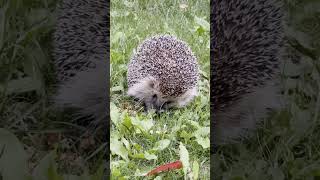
(195, 170)
(194, 123)
(203, 23)
(187, 136)
(202, 137)
(203, 131)
(117, 163)
(99, 174)
(303, 38)
(149, 156)
(114, 113)
(158, 178)
(36, 16)
(184, 158)
(200, 30)
(291, 69)
(204, 142)
(21, 85)
(316, 172)
(138, 156)
(117, 88)
(126, 143)
(138, 147)
(118, 148)
(162, 144)
(115, 172)
(13, 158)
(119, 14)
(116, 58)
(46, 169)
(127, 121)
(128, 4)
(204, 101)
(53, 174)
(141, 172)
(145, 125)
(204, 73)
(276, 173)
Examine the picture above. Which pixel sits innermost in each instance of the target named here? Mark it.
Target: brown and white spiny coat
(163, 73)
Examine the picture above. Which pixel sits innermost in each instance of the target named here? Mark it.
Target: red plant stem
(166, 167)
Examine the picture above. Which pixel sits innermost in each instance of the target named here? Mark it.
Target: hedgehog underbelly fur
(163, 69)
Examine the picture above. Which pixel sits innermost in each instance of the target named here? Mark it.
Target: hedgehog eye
(151, 84)
(154, 97)
(168, 102)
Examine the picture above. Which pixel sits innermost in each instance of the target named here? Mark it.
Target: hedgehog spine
(163, 73)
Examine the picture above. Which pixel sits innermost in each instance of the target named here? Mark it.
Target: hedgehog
(163, 73)
(246, 51)
(80, 54)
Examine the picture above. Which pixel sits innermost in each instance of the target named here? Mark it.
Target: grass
(287, 146)
(141, 142)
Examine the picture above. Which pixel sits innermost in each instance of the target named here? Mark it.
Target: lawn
(287, 146)
(140, 141)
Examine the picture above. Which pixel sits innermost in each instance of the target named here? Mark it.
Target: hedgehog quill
(163, 73)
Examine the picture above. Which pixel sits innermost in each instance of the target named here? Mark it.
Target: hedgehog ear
(134, 91)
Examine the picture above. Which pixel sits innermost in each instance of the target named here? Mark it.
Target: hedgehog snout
(147, 91)
(154, 102)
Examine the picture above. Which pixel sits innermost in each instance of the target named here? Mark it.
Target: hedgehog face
(148, 92)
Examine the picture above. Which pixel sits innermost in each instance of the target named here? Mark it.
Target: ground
(285, 147)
